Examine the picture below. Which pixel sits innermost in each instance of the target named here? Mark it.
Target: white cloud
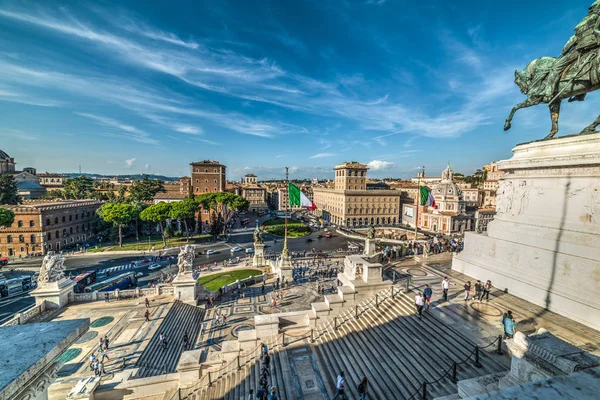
(130, 132)
(323, 155)
(130, 162)
(378, 165)
(192, 130)
(147, 166)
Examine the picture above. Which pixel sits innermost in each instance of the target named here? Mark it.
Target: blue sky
(147, 87)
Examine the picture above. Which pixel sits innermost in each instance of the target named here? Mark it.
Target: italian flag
(426, 198)
(298, 198)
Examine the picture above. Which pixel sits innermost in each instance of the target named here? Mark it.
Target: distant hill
(134, 177)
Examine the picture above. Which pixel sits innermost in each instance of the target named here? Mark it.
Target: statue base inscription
(543, 243)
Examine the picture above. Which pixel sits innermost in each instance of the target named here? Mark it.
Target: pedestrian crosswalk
(121, 268)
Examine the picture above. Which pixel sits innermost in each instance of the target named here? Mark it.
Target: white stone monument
(53, 287)
(544, 242)
(184, 283)
(370, 246)
(259, 249)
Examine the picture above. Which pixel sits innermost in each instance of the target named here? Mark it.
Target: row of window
(20, 224)
(9, 239)
(350, 173)
(373, 221)
(205, 181)
(371, 211)
(205, 170)
(33, 248)
(205, 189)
(84, 214)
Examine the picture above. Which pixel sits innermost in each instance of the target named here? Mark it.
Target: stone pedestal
(259, 255)
(370, 247)
(185, 287)
(55, 294)
(543, 242)
(285, 268)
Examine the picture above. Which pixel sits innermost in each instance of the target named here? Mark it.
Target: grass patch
(155, 241)
(216, 281)
(276, 226)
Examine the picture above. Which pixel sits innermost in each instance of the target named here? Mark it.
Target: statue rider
(586, 37)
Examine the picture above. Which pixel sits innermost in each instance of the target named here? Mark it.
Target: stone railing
(166, 290)
(148, 291)
(24, 317)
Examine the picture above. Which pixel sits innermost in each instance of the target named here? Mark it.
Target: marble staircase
(182, 318)
(397, 351)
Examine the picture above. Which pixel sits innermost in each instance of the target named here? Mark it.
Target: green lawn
(155, 241)
(276, 226)
(216, 281)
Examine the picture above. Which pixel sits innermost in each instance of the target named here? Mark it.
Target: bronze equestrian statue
(570, 76)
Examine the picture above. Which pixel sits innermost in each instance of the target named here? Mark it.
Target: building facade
(255, 194)
(450, 215)
(7, 163)
(482, 217)
(208, 176)
(350, 203)
(40, 227)
(52, 181)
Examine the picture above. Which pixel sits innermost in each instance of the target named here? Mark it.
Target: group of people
(481, 290)
(97, 363)
(264, 392)
(340, 386)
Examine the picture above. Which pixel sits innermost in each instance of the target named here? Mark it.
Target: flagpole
(418, 202)
(284, 252)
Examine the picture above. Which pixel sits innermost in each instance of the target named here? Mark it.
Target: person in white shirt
(419, 303)
(445, 287)
(341, 382)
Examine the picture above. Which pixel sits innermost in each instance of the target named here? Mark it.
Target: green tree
(9, 193)
(7, 217)
(138, 207)
(157, 213)
(224, 204)
(118, 214)
(184, 210)
(145, 189)
(81, 187)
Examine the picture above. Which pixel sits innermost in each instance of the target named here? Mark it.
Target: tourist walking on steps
(419, 302)
(486, 291)
(186, 341)
(467, 290)
(251, 395)
(478, 289)
(92, 361)
(427, 292)
(106, 342)
(273, 395)
(105, 355)
(339, 386)
(510, 326)
(147, 303)
(100, 344)
(363, 388)
(260, 393)
(267, 360)
(445, 287)
(147, 315)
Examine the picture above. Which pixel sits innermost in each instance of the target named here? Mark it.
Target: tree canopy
(119, 214)
(81, 187)
(145, 189)
(157, 213)
(184, 210)
(9, 193)
(7, 217)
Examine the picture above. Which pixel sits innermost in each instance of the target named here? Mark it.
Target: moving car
(139, 274)
(210, 252)
(249, 250)
(308, 240)
(328, 234)
(236, 249)
(154, 266)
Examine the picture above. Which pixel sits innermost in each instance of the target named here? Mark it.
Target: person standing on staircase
(419, 302)
(147, 315)
(363, 388)
(427, 293)
(273, 395)
(445, 287)
(147, 303)
(186, 341)
(341, 383)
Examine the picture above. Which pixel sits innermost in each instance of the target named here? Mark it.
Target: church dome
(4, 156)
(447, 188)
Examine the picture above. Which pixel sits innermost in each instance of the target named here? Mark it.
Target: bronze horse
(576, 81)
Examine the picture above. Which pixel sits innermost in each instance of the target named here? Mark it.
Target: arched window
(64, 219)
(21, 239)
(57, 234)
(70, 230)
(9, 239)
(47, 221)
(49, 236)
(70, 218)
(20, 224)
(31, 224)
(56, 220)
(32, 239)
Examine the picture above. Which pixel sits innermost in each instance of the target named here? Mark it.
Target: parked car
(139, 274)
(154, 266)
(249, 250)
(210, 252)
(236, 249)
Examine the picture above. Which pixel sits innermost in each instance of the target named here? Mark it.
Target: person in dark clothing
(478, 290)
(363, 388)
(267, 360)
